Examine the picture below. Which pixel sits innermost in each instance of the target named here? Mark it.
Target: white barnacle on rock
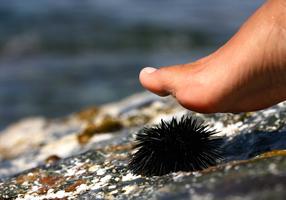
(111, 187)
(81, 188)
(129, 189)
(273, 168)
(60, 194)
(93, 168)
(70, 172)
(79, 172)
(105, 179)
(114, 192)
(101, 172)
(129, 177)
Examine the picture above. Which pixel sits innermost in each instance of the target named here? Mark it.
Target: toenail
(149, 70)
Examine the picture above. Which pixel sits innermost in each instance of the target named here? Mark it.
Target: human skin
(247, 73)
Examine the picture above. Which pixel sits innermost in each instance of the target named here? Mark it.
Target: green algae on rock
(106, 125)
(88, 114)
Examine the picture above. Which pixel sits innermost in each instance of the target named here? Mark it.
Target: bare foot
(248, 73)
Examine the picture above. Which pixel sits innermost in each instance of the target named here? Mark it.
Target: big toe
(163, 81)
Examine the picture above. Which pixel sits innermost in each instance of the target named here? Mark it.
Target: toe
(163, 81)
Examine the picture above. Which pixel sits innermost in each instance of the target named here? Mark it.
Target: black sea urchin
(173, 146)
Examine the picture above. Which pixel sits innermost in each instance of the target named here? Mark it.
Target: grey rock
(54, 164)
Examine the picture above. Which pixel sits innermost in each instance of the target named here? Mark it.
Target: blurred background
(59, 56)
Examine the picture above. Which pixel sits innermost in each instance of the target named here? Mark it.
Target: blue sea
(60, 56)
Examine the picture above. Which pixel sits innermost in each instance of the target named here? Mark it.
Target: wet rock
(43, 159)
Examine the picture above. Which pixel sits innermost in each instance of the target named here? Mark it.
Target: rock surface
(84, 155)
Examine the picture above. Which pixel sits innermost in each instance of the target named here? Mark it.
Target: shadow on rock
(248, 145)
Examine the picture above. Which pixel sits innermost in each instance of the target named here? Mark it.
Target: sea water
(57, 57)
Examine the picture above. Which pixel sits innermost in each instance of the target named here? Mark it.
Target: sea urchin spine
(173, 146)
